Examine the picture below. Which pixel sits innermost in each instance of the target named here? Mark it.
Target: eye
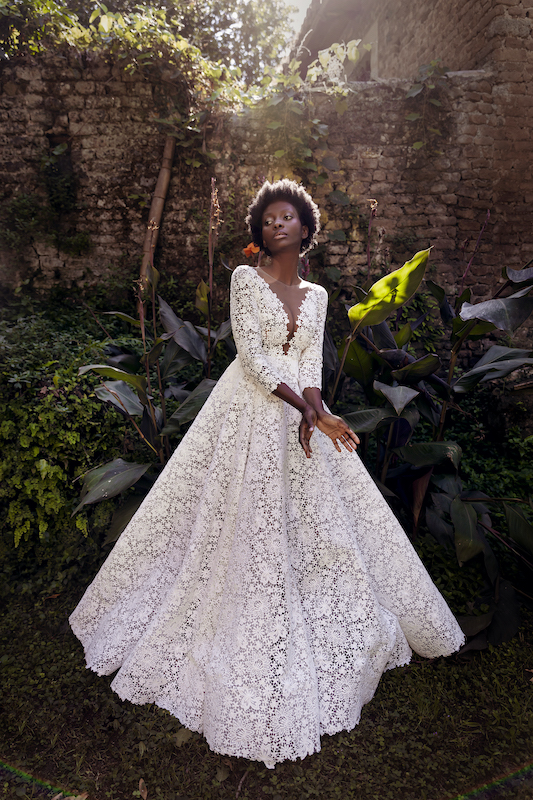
(288, 216)
(266, 222)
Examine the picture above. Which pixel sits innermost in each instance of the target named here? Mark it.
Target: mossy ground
(433, 731)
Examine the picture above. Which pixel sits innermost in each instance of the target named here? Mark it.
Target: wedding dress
(259, 595)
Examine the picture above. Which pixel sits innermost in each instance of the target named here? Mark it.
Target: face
(282, 229)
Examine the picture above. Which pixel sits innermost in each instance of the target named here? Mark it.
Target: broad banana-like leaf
(468, 542)
(421, 368)
(450, 484)
(480, 329)
(390, 292)
(404, 335)
(383, 337)
(519, 528)
(428, 408)
(183, 333)
(368, 419)
(359, 364)
(427, 454)
(109, 480)
(122, 396)
(506, 313)
(497, 362)
(154, 353)
(471, 625)
(398, 396)
(223, 331)
(441, 530)
(190, 407)
(137, 381)
(174, 359)
(129, 362)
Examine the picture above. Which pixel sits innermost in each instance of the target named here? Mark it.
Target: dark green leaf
(153, 355)
(474, 625)
(414, 90)
(427, 454)
(404, 335)
(182, 332)
(109, 480)
(413, 116)
(359, 364)
(122, 396)
(439, 528)
(174, 359)
(507, 314)
(421, 368)
(137, 381)
(398, 396)
(383, 337)
(448, 483)
(190, 407)
(368, 419)
(468, 542)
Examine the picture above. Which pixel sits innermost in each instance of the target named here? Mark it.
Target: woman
(264, 585)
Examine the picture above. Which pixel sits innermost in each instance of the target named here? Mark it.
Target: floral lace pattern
(259, 595)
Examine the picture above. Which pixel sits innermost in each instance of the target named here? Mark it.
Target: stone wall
(107, 116)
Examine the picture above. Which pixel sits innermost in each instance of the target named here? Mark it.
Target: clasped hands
(333, 426)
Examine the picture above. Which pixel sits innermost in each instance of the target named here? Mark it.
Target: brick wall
(106, 116)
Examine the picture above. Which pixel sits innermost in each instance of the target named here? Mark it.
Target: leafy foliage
(404, 389)
(244, 35)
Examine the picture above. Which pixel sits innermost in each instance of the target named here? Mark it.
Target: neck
(284, 268)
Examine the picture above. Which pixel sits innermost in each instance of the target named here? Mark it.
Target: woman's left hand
(338, 431)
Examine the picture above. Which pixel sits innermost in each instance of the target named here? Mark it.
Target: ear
(305, 231)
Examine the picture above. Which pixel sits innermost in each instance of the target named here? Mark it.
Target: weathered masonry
(105, 117)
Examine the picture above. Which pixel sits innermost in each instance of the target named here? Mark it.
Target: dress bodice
(278, 339)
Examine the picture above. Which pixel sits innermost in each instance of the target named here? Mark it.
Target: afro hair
(296, 195)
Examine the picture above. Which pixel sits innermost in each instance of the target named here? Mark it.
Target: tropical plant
(404, 390)
(139, 386)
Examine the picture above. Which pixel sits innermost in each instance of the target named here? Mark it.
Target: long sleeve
(245, 325)
(311, 360)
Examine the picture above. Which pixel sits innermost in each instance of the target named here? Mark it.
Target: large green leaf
(507, 313)
(427, 454)
(461, 328)
(468, 542)
(390, 292)
(109, 480)
(368, 419)
(359, 364)
(190, 407)
(519, 528)
(441, 530)
(417, 370)
(174, 359)
(137, 381)
(489, 372)
(183, 332)
(398, 396)
(122, 516)
(383, 337)
(121, 395)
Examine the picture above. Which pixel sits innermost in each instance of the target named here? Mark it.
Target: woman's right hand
(307, 426)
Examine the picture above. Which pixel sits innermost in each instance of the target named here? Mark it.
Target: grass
(434, 729)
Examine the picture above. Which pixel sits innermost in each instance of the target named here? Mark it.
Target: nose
(278, 223)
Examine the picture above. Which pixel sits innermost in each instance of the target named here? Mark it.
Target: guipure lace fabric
(259, 595)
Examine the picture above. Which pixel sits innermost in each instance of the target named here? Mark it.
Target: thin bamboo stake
(158, 202)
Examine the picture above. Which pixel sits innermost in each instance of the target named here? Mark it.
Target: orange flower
(250, 249)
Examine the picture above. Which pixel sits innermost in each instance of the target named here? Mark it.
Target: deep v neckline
(286, 310)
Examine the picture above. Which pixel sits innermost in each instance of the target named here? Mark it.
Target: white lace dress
(259, 595)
